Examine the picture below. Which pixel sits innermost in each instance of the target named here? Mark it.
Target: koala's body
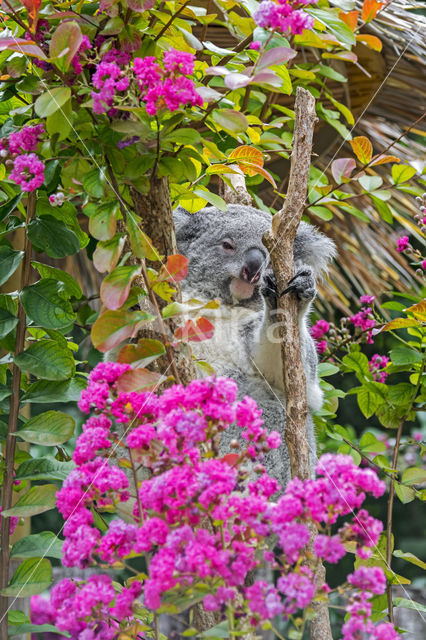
(228, 261)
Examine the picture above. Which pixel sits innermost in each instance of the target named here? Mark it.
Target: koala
(228, 261)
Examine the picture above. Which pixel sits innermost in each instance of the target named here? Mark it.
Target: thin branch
(172, 18)
(13, 424)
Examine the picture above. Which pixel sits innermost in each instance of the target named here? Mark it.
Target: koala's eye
(227, 246)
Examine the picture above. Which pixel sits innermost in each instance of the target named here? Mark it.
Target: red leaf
(277, 55)
(350, 18)
(27, 47)
(138, 379)
(175, 269)
(372, 42)
(32, 7)
(201, 329)
(230, 458)
(253, 169)
(113, 327)
(246, 153)
(107, 254)
(65, 43)
(342, 168)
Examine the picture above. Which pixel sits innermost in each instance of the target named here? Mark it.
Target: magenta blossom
(286, 16)
(402, 243)
(28, 171)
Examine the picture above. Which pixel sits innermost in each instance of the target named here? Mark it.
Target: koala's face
(227, 259)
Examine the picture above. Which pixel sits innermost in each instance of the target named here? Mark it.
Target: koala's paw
(303, 285)
(269, 290)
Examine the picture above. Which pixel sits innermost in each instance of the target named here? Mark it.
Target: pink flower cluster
(364, 318)
(369, 581)
(166, 86)
(28, 169)
(318, 331)
(108, 79)
(89, 610)
(175, 437)
(377, 366)
(402, 243)
(286, 16)
(75, 62)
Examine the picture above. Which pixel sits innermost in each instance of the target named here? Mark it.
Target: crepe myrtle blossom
(377, 366)
(28, 172)
(286, 16)
(402, 243)
(175, 435)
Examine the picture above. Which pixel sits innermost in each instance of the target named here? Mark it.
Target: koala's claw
(302, 284)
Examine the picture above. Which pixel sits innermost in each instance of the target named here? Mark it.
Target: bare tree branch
(279, 242)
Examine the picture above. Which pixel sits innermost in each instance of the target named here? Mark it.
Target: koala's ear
(185, 227)
(314, 248)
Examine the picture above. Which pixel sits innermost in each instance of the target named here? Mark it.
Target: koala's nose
(253, 262)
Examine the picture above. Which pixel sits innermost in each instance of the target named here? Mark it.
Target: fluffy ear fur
(313, 248)
(186, 227)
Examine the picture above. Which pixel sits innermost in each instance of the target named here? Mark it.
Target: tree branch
(279, 242)
(13, 425)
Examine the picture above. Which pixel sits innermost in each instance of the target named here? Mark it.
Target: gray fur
(242, 346)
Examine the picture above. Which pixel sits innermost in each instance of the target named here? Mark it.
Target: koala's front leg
(303, 285)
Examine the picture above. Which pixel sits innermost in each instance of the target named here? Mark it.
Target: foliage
(97, 102)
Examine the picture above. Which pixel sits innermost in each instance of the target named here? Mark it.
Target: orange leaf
(397, 323)
(418, 310)
(175, 270)
(253, 169)
(230, 458)
(201, 329)
(247, 154)
(350, 18)
(362, 148)
(372, 42)
(383, 160)
(370, 8)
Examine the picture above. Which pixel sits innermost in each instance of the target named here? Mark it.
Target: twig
(172, 18)
(13, 424)
(284, 226)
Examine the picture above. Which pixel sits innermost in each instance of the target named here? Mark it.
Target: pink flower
(299, 589)
(255, 45)
(370, 579)
(385, 631)
(264, 600)
(25, 140)
(402, 243)
(109, 79)
(331, 549)
(118, 541)
(181, 61)
(321, 346)
(13, 522)
(284, 16)
(377, 366)
(367, 299)
(424, 264)
(89, 443)
(319, 329)
(28, 171)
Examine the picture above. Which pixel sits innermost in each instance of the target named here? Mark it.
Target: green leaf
(10, 206)
(45, 305)
(326, 369)
(94, 182)
(38, 500)
(34, 575)
(44, 469)
(65, 43)
(232, 121)
(404, 356)
(107, 253)
(358, 362)
(405, 494)
(48, 360)
(7, 322)
(212, 198)
(400, 394)
(14, 616)
(71, 287)
(42, 544)
(370, 183)
(370, 444)
(51, 101)
(60, 123)
(103, 220)
(414, 475)
(24, 629)
(49, 428)
(322, 212)
(113, 327)
(383, 208)
(409, 557)
(67, 214)
(183, 136)
(53, 236)
(9, 262)
(368, 401)
(333, 23)
(43, 391)
(402, 173)
(115, 287)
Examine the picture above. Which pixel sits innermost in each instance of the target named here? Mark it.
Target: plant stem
(172, 18)
(13, 424)
(392, 493)
(135, 480)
